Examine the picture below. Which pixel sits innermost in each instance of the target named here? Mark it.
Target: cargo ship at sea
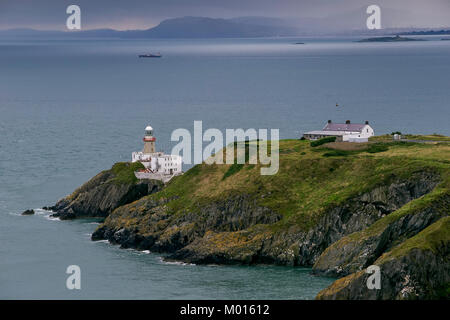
(150, 55)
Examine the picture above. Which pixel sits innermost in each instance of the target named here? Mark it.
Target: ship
(150, 55)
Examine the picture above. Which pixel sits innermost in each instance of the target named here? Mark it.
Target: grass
(234, 168)
(310, 180)
(377, 147)
(428, 137)
(124, 172)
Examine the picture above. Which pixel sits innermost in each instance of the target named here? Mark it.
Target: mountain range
(241, 27)
(184, 27)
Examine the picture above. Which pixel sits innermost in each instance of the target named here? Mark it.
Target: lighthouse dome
(148, 128)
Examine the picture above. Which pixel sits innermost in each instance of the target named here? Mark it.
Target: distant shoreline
(389, 39)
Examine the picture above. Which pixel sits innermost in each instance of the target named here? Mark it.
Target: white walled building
(158, 165)
(351, 132)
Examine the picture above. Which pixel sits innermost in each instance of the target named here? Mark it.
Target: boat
(150, 55)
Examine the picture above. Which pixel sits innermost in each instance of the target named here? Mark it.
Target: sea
(71, 108)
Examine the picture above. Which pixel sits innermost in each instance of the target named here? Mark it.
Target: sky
(143, 14)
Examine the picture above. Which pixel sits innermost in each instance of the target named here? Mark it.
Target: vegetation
(234, 168)
(124, 171)
(309, 180)
(322, 141)
(432, 238)
(430, 137)
(378, 147)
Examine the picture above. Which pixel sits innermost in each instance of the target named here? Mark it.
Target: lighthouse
(149, 141)
(158, 165)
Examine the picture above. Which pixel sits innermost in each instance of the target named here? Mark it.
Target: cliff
(418, 268)
(105, 192)
(338, 207)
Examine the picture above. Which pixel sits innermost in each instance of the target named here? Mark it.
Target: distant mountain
(241, 27)
(185, 27)
(201, 27)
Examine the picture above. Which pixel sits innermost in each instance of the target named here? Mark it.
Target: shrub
(322, 141)
(374, 148)
(338, 153)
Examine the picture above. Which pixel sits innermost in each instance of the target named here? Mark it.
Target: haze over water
(69, 109)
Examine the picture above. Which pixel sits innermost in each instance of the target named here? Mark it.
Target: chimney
(347, 122)
(329, 121)
(367, 122)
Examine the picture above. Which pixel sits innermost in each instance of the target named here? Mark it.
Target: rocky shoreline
(103, 194)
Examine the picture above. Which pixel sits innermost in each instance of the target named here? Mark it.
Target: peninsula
(337, 207)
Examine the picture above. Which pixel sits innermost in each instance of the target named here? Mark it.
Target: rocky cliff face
(146, 224)
(302, 248)
(236, 230)
(418, 268)
(105, 192)
(359, 250)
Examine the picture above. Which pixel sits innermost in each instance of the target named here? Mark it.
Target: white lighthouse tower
(158, 165)
(149, 140)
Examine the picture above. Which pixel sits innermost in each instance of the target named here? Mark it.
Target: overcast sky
(141, 14)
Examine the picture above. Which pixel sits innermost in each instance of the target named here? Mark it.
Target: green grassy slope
(309, 180)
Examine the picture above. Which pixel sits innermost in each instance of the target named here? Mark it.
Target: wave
(179, 263)
(47, 214)
(101, 241)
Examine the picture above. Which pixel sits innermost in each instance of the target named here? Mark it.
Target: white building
(158, 165)
(351, 132)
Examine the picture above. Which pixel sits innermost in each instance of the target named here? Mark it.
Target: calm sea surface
(69, 109)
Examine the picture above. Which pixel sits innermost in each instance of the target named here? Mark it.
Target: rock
(28, 212)
(105, 192)
(235, 230)
(418, 268)
(356, 252)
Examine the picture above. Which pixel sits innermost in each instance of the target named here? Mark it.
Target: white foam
(101, 241)
(42, 212)
(178, 263)
(47, 214)
(49, 217)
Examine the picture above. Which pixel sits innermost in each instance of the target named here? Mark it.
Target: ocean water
(69, 109)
